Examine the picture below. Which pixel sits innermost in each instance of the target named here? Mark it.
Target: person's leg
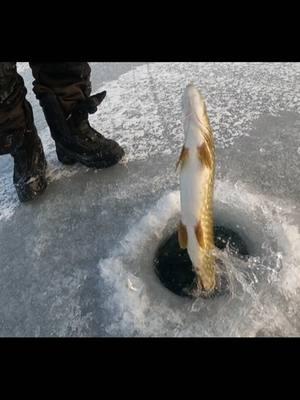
(63, 90)
(18, 135)
(69, 81)
(12, 116)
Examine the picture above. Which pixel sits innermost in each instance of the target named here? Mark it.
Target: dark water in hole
(174, 268)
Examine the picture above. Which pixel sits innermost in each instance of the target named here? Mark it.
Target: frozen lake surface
(79, 260)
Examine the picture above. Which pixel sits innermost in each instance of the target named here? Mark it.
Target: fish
(197, 175)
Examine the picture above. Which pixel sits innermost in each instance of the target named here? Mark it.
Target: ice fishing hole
(174, 268)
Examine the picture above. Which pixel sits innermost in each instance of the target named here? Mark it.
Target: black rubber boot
(75, 139)
(29, 161)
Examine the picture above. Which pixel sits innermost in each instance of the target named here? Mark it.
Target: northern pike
(197, 173)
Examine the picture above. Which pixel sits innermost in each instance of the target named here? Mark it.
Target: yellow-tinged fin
(205, 155)
(183, 156)
(182, 236)
(199, 234)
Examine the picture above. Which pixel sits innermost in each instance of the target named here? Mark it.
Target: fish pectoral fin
(182, 236)
(183, 157)
(205, 155)
(199, 234)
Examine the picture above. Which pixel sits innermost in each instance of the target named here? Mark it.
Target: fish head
(193, 103)
(194, 115)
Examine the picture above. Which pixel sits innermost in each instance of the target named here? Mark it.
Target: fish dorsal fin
(205, 156)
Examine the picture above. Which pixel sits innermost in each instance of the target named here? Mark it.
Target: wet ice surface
(78, 261)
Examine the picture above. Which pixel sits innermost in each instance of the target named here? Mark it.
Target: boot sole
(69, 157)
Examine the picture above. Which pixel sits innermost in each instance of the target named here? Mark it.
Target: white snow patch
(22, 66)
(8, 197)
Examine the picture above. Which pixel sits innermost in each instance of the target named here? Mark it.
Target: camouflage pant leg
(69, 81)
(12, 99)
